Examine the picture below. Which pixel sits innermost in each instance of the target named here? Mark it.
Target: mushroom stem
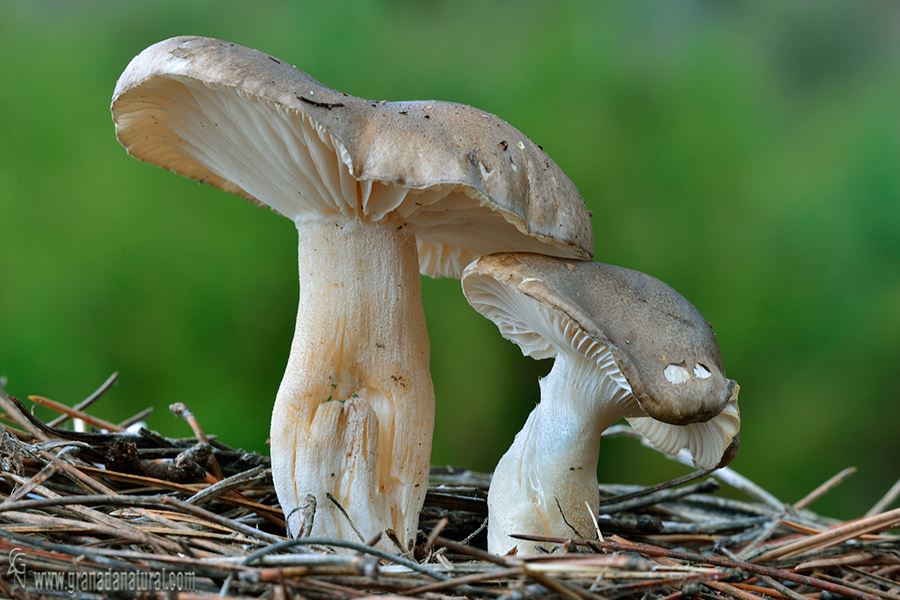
(551, 467)
(355, 411)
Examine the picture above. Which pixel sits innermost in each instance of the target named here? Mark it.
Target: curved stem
(541, 484)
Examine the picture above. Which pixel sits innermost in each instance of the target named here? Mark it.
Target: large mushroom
(378, 191)
(625, 345)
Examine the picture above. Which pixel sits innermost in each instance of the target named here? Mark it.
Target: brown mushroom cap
(661, 343)
(239, 119)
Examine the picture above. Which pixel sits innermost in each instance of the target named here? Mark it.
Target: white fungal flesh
(676, 374)
(701, 372)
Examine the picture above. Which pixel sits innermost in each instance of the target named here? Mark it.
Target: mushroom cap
(660, 342)
(236, 118)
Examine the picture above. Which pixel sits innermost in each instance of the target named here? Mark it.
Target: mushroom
(378, 191)
(625, 345)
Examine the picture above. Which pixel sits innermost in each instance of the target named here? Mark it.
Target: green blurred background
(744, 152)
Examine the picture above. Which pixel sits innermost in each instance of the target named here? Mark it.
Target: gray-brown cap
(251, 124)
(665, 349)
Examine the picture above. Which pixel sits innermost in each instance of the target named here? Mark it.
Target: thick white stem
(355, 411)
(541, 484)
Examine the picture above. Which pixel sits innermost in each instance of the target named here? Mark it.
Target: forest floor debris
(121, 511)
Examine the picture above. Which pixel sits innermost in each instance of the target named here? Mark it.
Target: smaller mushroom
(625, 345)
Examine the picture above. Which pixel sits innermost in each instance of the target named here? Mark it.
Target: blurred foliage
(744, 152)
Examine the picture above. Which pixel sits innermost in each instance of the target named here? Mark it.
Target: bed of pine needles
(119, 512)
